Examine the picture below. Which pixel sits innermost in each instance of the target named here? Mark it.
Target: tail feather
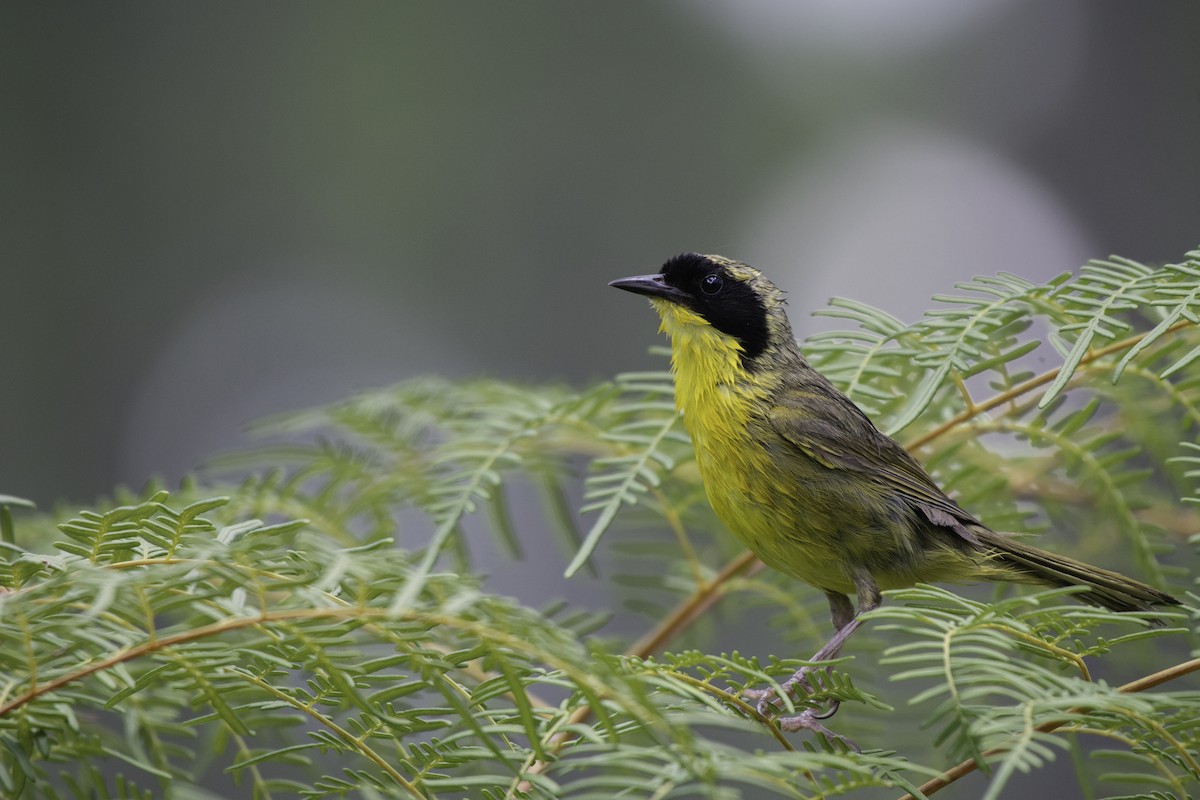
(1105, 588)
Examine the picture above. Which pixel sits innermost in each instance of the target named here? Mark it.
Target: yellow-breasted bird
(805, 480)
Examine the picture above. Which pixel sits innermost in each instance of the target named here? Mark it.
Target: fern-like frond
(273, 628)
(1177, 296)
(962, 336)
(1093, 303)
(1000, 693)
(263, 628)
(1099, 462)
(868, 361)
(645, 439)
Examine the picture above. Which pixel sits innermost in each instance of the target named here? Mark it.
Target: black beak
(649, 285)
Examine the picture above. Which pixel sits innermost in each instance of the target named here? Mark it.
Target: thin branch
(1140, 685)
(1028, 386)
(358, 613)
(154, 644)
(471, 668)
(695, 605)
(357, 742)
(705, 596)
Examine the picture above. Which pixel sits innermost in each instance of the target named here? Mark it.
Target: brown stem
(1028, 386)
(700, 601)
(1140, 685)
(679, 619)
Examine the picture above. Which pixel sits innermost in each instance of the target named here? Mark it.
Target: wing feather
(850, 441)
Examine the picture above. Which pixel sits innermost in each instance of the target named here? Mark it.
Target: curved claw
(834, 705)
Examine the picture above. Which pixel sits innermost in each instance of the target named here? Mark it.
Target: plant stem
(1140, 685)
(1028, 386)
(698, 602)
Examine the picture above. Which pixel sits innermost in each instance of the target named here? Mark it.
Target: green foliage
(317, 628)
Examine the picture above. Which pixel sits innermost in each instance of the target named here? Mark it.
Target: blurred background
(211, 212)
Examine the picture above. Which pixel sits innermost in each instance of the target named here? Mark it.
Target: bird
(808, 483)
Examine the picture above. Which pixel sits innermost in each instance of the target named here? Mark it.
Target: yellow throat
(712, 389)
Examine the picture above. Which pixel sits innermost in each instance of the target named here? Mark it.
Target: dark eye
(711, 283)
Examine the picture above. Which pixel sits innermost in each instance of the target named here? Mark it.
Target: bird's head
(707, 291)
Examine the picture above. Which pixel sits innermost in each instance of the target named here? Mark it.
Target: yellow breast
(719, 399)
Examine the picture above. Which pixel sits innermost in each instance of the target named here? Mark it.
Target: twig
(971, 764)
(1028, 386)
(705, 596)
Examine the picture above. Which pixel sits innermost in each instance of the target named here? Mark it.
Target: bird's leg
(842, 612)
(846, 623)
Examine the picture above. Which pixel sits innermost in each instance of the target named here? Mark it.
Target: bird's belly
(790, 528)
(816, 524)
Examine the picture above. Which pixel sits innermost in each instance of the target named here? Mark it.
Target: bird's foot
(809, 720)
(800, 684)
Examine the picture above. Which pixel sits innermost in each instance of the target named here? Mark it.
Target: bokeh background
(211, 212)
(214, 211)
